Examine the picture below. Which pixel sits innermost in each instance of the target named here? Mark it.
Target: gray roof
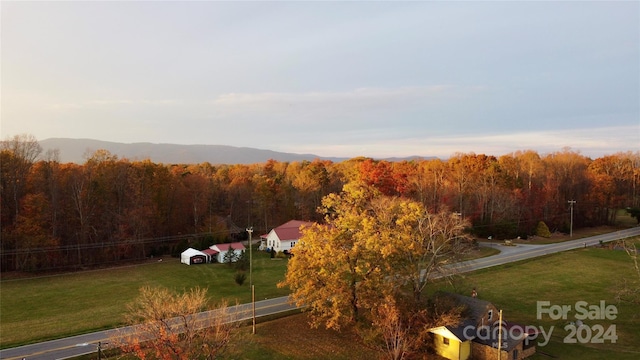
(476, 307)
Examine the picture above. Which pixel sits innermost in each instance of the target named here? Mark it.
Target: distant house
(192, 256)
(283, 237)
(477, 336)
(222, 249)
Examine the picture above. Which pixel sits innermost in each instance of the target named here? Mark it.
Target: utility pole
(100, 343)
(500, 336)
(571, 202)
(250, 231)
(253, 291)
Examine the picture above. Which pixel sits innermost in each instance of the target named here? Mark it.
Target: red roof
(209, 251)
(225, 247)
(291, 230)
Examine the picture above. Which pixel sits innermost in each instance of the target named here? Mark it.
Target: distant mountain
(76, 151)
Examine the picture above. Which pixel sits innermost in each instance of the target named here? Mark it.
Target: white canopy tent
(192, 256)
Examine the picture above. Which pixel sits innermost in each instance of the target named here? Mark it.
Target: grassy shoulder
(558, 237)
(481, 252)
(590, 275)
(44, 308)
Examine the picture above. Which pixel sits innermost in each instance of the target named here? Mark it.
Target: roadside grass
(45, 308)
(481, 252)
(623, 218)
(589, 275)
(623, 222)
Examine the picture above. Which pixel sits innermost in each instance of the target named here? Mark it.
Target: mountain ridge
(77, 151)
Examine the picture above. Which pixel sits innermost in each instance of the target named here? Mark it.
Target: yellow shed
(452, 343)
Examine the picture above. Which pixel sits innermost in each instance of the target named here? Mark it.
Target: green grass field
(44, 308)
(589, 275)
(31, 309)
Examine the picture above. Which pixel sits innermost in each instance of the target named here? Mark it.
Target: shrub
(240, 277)
(543, 230)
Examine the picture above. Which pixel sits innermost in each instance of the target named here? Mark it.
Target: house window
(445, 340)
(490, 315)
(293, 243)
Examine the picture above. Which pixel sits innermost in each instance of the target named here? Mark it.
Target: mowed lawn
(43, 308)
(589, 275)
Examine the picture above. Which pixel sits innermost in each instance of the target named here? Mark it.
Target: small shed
(192, 256)
(452, 342)
(222, 249)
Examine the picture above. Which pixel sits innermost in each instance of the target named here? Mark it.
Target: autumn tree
(427, 183)
(19, 154)
(333, 268)
(166, 325)
(612, 186)
(565, 180)
(311, 180)
(392, 329)
(370, 247)
(399, 330)
(417, 245)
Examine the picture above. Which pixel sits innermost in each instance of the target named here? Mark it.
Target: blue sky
(347, 79)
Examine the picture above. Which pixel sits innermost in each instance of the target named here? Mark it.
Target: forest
(66, 216)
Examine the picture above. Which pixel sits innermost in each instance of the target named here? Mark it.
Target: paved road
(85, 344)
(519, 252)
(88, 343)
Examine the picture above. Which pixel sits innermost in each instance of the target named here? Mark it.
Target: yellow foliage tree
(370, 248)
(334, 270)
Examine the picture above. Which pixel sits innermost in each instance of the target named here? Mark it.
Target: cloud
(594, 142)
(357, 104)
(101, 103)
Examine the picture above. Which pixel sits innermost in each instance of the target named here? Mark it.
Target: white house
(284, 237)
(192, 256)
(222, 249)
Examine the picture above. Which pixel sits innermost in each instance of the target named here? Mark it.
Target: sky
(346, 79)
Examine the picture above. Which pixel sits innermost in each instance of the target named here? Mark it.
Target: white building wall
(273, 242)
(287, 244)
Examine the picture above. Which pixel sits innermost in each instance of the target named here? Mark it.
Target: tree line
(66, 216)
